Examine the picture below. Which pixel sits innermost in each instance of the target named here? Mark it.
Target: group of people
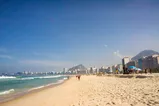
(129, 71)
(148, 70)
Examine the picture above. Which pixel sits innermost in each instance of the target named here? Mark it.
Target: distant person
(78, 76)
(145, 71)
(116, 71)
(124, 70)
(150, 71)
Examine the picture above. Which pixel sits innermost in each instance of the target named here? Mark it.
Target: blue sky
(47, 35)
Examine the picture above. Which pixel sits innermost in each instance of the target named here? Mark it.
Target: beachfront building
(120, 67)
(65, 70)
(150, 62)
(103, 69)
(140, 63)
(88, 70)
(114, 67)
(109, 69)
(132, 63)
(92, 70)
(155, 61)
(125, 60)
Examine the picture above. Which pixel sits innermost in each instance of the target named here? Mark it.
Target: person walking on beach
(78, 76)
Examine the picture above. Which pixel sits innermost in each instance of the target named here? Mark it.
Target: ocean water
(10, 85)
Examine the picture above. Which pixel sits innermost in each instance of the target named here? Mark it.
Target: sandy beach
(95, 91)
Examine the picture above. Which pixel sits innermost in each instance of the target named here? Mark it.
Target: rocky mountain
(144, 53)
(78, 67)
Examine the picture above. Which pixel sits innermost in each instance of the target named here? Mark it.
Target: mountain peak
(144, 53)
(80, 67)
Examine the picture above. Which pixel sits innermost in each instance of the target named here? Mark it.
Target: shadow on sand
(129, 76)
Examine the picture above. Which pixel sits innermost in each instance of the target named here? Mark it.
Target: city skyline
(45, 35)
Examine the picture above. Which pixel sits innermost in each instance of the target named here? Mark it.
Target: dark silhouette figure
(145, 71)
(124, 71)
(150, 71)
(78, 76)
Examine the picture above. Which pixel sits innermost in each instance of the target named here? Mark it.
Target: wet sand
(95, 91)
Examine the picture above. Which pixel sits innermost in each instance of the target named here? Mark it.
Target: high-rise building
(156, 61)
(114, 67)
(65, 70)
(125, 60)
(149, 62)
(120, 67)
(92, 70)
(132, 63)
(140, 63)
(110, 70)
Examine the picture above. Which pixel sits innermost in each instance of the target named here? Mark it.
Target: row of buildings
(111, 69)
(95, 70)
(147, 62)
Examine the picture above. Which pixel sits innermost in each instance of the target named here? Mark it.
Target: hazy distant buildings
(103, 69)
(65, 71)
(114, 67)
(149, 62)
(125, 60)
(120, 67)
(92, 70)
(157, 61)
(110, 70)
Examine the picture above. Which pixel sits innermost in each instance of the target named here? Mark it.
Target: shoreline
(29, 92)
(95, 91)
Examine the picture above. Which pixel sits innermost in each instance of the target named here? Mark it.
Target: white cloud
(116, 53)
(47, 63)
(106, 45)
(5, 56)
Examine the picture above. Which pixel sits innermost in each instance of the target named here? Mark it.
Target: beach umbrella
(132, 67)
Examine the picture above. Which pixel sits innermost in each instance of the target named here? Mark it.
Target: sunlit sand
(95, 91)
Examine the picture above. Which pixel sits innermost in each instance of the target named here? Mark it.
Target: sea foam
(36, 88)
(6, 77)
(41, 77)
(7, 92)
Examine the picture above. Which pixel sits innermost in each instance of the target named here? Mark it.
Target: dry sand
(95, 91)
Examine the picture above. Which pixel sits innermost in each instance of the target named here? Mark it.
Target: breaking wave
(6, 77)
(36, 88)
(40, 77)
(7, 92)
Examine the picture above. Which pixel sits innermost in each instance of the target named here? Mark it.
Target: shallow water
(13, 85)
